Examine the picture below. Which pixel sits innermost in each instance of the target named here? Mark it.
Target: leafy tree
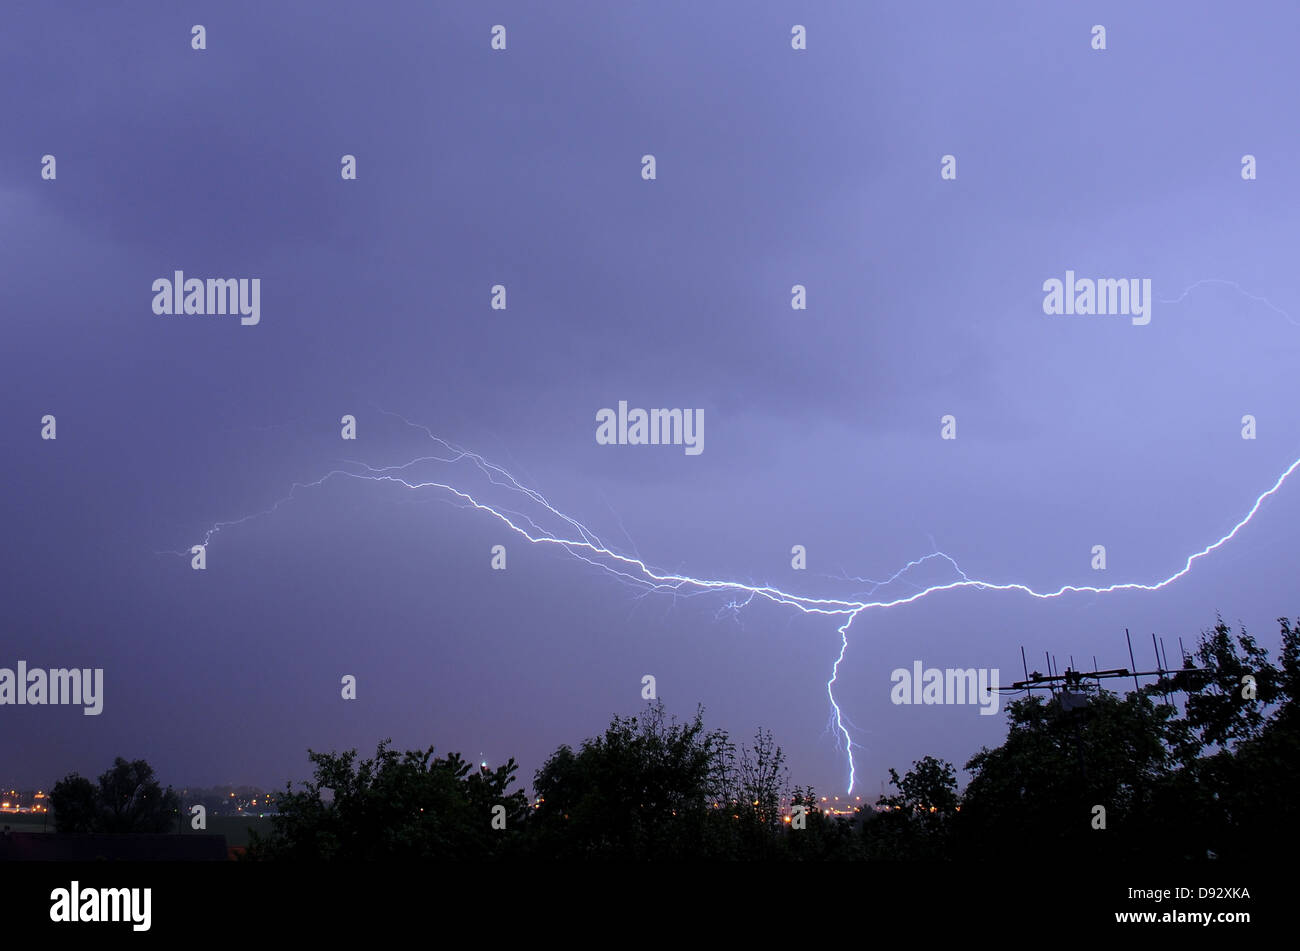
(1219, 714)
(1237, 801)
(648, 788)
(919, 816)
(1289, 676)
(763, 779)
(74, 804)
(409, 805)
(1041, 787)
(130, 799)
(750, 810)
(127, 799)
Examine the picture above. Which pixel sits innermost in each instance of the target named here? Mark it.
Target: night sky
(523, 167)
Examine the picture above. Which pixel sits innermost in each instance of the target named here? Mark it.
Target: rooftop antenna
(1076, 685)
(1166, 659)
(1160, 668)
(1077, 689)
(1136, 688)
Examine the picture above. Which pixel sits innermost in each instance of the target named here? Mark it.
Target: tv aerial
(1074, 689)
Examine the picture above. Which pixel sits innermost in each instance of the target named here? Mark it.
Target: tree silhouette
(649, 787)
(127, 799)
(917, 820)
(409, 805)
(74, 803)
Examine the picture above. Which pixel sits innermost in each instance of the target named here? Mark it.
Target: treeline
(1201, 766)
(1138, 776)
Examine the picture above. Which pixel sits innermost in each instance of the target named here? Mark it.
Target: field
(235, 828)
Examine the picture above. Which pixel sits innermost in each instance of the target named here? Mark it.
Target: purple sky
(522, 167)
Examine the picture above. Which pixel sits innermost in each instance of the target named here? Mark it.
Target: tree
(1041, 787)
(1237, 801)
(1219, 711)
(648, 788)
(127, 799)
(763, 779)
(745, 822)
(919, 817)
(409, 805)
(73, 801)
(1289, 676)
(130, 799)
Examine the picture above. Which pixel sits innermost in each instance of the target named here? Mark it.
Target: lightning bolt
(580, 542)
(1236, 287)
(585, 545)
